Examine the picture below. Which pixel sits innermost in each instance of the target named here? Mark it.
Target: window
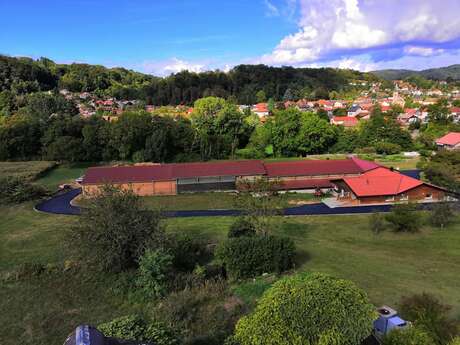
(428, 196)
(390, 198)
(404, 197)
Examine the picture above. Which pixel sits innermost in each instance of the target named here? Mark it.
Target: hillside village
(411, 104)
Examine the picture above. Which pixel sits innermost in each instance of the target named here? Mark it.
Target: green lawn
(213, 201)
(387, 266)
(64, 173)
(43, 310)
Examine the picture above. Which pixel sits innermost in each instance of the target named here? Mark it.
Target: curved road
(60, 204)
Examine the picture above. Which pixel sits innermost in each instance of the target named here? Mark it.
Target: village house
(385, 186)
(455, 114)
(346, 121)
(354, 110)
(450, 141)
(261, 110)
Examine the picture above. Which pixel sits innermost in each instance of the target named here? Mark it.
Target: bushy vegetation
(242, 226)
(245, 257)
(443, 169)
(114, 231)
(321, 309)
(404, 218)
(408, 336)
(16, 190)
(134, 327)
(155, 268)
(429, 314)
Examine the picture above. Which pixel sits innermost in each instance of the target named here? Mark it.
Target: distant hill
(442, 73)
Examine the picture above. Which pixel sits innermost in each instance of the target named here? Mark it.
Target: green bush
(403, 218)
(241, 227)
(314, 309)
(408, 336)
(387, 148)
(455, 341)
(133, 327)
(204, 314)
(429, 314)
(188, 251)
(245, 257)
(441, 215)
(377, 223)
(17, 190)
(155, 269)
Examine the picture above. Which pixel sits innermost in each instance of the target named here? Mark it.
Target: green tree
(261, 97)
(114, 230)
(315, 135)
(321, 309)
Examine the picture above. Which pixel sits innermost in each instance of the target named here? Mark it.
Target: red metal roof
(381, 181)
(452, 139)
(313, 168)
(305, 184)
(162, 172)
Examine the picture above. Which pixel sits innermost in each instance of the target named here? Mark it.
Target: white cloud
(270, 9)
(422, 51)
(341, 27)
(173, 65)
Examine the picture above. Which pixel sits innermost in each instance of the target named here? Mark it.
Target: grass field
(64, 173)
(388, 266)
(29, 170)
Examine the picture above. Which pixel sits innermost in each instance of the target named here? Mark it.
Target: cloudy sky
(166, 36)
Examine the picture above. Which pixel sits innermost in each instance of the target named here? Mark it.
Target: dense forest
(20, 76)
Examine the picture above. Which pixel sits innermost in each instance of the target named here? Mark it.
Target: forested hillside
(444, 73)
(24, 75)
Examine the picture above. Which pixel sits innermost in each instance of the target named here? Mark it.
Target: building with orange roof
(450, 141)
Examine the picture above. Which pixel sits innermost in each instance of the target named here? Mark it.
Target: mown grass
(44, 310)
(64, 173)
(29, 170)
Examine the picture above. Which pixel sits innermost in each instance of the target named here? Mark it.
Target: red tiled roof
(455, 110)
(161, 172)
(261, 107)
(314, 168)
(381, 181)
(348, 121)
(452, 139)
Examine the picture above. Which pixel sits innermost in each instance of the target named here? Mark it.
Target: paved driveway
(60, 204)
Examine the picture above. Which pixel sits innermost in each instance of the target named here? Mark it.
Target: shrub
(245, 257)
(114, 230)
(408, 336)
(455, 341)
(205, 314)
(429, 314)
(441, 215)
(241, 227)
(133, 327)
(155, 268)
(377, 223)
(309, 309)
(188, 251)
(387, 148)
(17, 190)
(403, 218)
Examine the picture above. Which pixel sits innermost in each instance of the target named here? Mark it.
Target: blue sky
(162, 37)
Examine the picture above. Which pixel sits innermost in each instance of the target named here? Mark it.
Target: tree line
(19, 76)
